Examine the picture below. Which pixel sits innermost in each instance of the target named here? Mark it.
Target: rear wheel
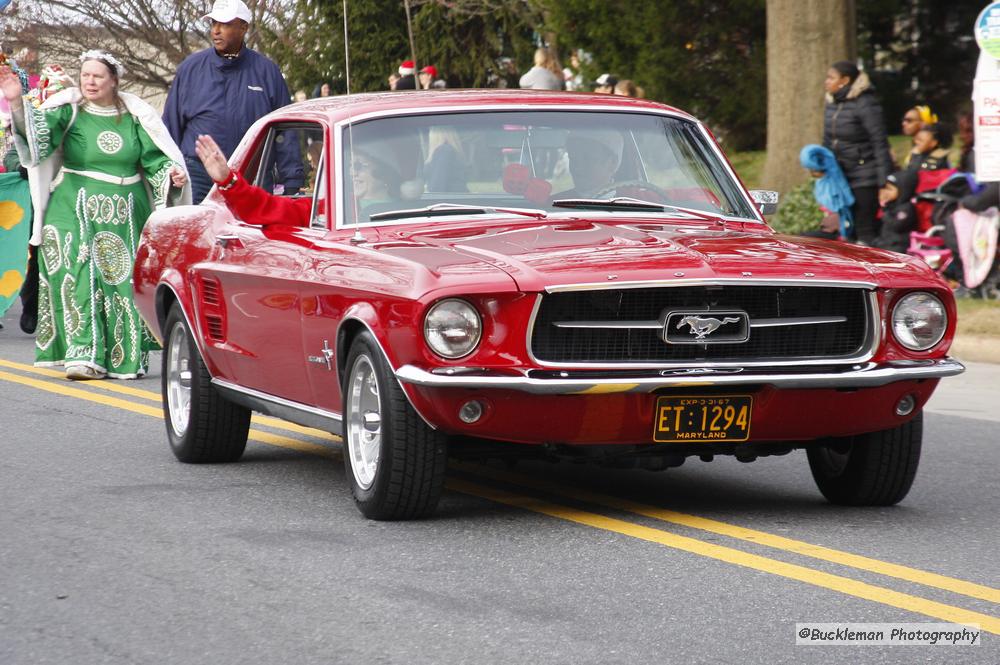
(202, 425)
(873, 469)
(395, 462)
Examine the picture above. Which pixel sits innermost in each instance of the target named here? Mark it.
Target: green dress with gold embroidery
(98, 206)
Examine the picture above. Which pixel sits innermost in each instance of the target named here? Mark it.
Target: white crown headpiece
(97, 54)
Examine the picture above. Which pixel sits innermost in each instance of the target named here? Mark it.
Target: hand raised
(10, 84)
(211, 158)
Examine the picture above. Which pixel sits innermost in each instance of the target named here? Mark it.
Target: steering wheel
(637, 189)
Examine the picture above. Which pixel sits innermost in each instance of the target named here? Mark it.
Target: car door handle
(226, 241)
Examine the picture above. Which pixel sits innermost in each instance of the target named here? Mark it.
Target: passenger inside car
(446, 169)
(249, 203)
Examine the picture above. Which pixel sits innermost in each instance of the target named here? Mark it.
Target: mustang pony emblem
(703, 326)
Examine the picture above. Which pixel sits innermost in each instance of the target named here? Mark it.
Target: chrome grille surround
(867, 303)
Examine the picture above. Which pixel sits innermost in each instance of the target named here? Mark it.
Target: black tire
(395, 463)
(214, 429)
(873, 469)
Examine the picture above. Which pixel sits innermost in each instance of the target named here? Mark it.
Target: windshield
(543, 161)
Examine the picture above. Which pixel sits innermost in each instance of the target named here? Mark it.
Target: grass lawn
(979, 317)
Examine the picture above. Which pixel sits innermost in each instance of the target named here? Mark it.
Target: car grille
(627, 325)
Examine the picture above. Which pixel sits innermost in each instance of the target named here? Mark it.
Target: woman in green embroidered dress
(117, 164)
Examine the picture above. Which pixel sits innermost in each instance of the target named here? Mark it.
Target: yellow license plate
(702, 419)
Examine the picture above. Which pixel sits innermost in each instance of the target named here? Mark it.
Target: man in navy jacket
(223, 90)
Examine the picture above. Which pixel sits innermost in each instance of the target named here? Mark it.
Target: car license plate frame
(702, 418)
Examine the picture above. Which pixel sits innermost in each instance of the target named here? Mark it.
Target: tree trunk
(804, 37)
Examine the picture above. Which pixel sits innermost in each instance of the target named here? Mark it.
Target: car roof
(344, 106)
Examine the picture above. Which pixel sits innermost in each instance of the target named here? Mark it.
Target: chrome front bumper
(864, 375)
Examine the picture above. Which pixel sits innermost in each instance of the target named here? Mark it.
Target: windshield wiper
(444, 209)
(629, 203)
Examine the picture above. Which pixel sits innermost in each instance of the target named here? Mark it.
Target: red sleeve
(255, 206)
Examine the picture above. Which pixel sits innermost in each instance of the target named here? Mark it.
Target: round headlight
(919, 321)
(452, 328)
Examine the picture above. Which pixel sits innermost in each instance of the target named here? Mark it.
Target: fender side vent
(214, 328)
(210, 292)
(213, 309)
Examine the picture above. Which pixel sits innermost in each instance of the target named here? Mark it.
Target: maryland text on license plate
(694, 419)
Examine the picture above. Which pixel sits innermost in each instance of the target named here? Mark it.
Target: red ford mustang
(557, 275)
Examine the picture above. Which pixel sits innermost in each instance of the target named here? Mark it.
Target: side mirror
(766, 200)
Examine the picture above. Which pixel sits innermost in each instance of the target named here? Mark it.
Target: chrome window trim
(341, 126)
(874, 329)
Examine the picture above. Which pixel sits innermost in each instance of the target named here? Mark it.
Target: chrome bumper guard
(866, 375)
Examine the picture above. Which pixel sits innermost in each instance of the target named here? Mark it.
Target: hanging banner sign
(988, 30)
(986, 95)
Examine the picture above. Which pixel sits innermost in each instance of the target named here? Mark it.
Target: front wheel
(202, 425)
(395, 463)
(873, 469)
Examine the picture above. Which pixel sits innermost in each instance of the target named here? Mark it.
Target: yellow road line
(818, 578)
(156, 412)
(149, 395)
(726, 554)
(935, 580)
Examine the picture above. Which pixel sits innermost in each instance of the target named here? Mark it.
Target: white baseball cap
(225, 11)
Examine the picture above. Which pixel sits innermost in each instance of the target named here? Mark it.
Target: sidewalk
(976, 348)
(973, 394)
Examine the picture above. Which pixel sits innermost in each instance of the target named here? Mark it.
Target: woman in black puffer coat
(854, 129)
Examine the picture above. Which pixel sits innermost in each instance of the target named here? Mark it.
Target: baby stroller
(959, 244)
(976, 236)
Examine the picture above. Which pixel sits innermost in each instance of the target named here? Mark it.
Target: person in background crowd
(393, 80)
(899, 214)
(300, 96)
(831, 191)
(427, 76)
(221, 91)
(52, 80)
(572, 78)
(606, 83)
(854, 130)
(913, 121)
(323, 89)
(118, 163)
(930, 148)
(545, 75)
(406, 81)
(626, 88)
(967, 135)
(508, 76)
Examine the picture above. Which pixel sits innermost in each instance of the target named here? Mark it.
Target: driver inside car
(594, 158)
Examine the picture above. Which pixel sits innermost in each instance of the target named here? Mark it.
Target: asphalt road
(113, 552)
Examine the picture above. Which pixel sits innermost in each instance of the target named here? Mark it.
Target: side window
(287, 161)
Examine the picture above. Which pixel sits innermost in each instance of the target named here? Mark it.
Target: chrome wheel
(364, 421)
(178, 376)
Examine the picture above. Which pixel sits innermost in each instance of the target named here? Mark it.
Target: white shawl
(41, 176)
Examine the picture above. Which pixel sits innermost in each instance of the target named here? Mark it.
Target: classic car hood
(585, 251)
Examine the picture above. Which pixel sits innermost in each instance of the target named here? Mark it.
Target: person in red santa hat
(407, 80)
(429, 78)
